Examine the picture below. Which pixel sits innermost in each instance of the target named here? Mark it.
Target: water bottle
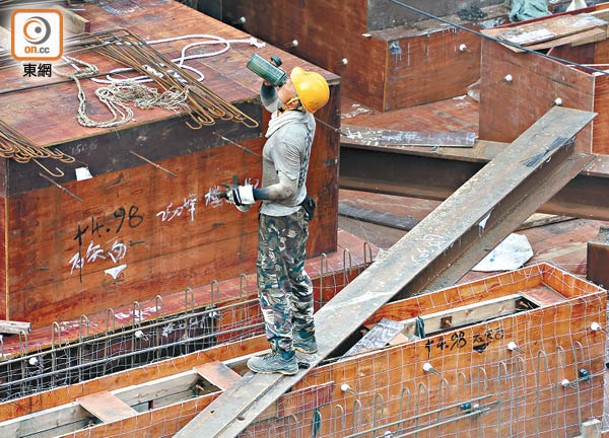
(267, 71)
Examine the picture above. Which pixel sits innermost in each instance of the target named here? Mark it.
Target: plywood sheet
(578, 39)
(547, 29)
(600, 139)
(430, 67)
(327, 32)
(218, 374)
(378, 137)
(107, 407)
(508, 108)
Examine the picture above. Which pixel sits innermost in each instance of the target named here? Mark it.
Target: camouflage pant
(284, 288)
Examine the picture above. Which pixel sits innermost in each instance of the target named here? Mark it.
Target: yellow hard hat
(312, 88)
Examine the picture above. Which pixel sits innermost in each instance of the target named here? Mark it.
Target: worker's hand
(240, 196)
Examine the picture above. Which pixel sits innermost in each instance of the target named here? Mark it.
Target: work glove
(240, 196)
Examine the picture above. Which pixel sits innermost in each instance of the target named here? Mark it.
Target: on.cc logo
(37, 34)
(36, 30)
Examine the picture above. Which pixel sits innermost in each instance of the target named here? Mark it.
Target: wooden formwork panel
(3, 230)
(600, 141)
(478, 384)
(508, 108)
(139, 231)
(327, 32)
(64, 254)
(242, 315)
(392, 63)
(519, 392)
(429, 67)
(596, 54)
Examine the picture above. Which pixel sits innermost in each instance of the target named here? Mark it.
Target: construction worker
(284, 288)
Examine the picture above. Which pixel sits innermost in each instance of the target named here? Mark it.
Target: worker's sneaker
(273, 363)
(308, 346)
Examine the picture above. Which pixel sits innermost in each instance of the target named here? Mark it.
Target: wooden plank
(378, 337)
(551, 28)
(600, 138)
(377, 217)
(407, 223)
(594, 36)
(218, 374)
(73, 22)
(156, 389)
(541, 219)
(602, 14)
(536, 83)
(15, 327)
(378, 137)
(107, 407)
(424, 258)
(464, 315)
(585, 37)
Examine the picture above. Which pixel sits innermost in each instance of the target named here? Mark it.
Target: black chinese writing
(37, 70)
(120, 216)
(458, 340)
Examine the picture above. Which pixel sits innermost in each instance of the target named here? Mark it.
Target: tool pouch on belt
(309, 206)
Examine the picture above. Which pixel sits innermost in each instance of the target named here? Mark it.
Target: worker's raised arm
(269, 98)
(284, 189)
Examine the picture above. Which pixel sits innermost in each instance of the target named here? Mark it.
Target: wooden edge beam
(591, 429)
(14, 327)
(464, 315)
(54, 418)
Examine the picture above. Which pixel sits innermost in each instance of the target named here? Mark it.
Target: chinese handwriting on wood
(113, 248)
(170, 212)
(458, 340)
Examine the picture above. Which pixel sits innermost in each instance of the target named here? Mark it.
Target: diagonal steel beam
(519, 179)
(515, 201)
